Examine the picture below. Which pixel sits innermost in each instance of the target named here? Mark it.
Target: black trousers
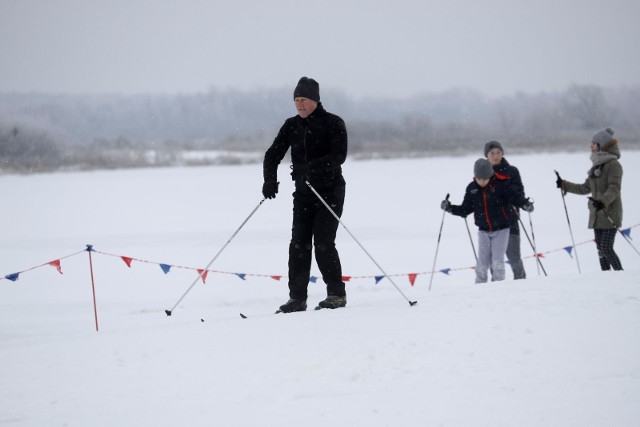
(605, 237)
(315, 227)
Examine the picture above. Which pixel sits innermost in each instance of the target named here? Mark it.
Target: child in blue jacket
(490, 199)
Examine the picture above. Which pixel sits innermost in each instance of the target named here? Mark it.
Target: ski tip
(412, 303)
(168, 312)
(243, 316)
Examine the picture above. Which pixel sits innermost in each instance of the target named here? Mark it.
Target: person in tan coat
(604, 182)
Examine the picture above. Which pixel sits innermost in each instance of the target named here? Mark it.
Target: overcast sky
(367, 48)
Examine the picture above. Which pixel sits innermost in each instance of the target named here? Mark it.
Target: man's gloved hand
(445, 205)
(597, 204)
(527, 206)
(270, 189)
(300, 172)
(559, 182)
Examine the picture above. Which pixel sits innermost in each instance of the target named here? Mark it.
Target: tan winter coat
(605, 188)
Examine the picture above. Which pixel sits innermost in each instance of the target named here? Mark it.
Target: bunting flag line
(55, 263)
(167, 268)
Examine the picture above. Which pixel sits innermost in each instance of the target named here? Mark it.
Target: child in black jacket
(491, 200)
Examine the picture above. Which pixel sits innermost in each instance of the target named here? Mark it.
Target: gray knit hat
(482, 169)
(603, 137)
(490, 146)
(307, 88)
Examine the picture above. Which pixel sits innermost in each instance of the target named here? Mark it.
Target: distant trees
(47, 132)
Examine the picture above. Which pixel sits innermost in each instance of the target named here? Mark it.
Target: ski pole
(533, 237)
(535, 254)
(573, 242)
(470, 239)
(411, 303)
(433, 268)
(204, 270)
(617, 228)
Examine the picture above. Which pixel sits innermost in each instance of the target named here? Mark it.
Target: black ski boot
(293, 305)
(332, 301)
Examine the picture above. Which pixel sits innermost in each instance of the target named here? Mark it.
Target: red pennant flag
(276, 277)
(346, 278)
(412, 278)
(540, 255)
(57, 265)
(203, 275)
(127, 260)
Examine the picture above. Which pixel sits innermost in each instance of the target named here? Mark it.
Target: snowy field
(556, 350)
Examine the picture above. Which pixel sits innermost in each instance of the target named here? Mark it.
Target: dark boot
(293, 305)
(332, 301)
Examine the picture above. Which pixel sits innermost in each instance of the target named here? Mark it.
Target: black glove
(445, 205)
(300, 172)
(559, 182)
(270, 189)
(597, 204)
(527, 206)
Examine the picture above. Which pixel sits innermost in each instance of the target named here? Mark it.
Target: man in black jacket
(318, 142)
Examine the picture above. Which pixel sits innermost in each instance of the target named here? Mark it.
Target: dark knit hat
(603, 137)
(307, 88)
(482, 169)
(490, 146)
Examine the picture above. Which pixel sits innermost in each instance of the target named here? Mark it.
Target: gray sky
(367, 48)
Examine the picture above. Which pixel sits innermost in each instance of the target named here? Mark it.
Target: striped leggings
(605, 238)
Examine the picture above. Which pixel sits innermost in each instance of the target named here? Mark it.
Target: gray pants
(492, 246)
(514, 257)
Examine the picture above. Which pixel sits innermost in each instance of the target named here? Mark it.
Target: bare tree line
(63, 132)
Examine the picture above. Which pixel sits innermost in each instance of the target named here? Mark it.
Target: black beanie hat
(307, 88)
(490, 146)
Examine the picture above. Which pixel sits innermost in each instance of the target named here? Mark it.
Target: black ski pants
(315, 227)
(605, 238)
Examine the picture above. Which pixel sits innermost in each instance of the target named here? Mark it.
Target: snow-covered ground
(561, 350)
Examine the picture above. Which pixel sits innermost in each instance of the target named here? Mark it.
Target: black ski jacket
(319, 141)
(505, 171)
(490, 205)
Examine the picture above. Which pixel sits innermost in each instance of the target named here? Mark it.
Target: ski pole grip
(447, 198)
(557, 174)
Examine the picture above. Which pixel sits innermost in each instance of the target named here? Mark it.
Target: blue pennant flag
(13, 277)
(379, 278)
(627, 232)
(569, 249)
(445, 271)
(241, 275)
(165, 268)
(313, 279)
